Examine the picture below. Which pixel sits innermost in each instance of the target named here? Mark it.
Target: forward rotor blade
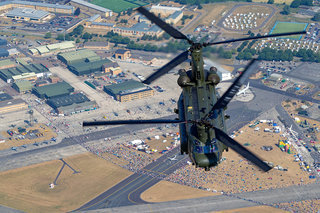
(232, 91)
(224, 138)
(120, 122)
(166, 68)
(163, 25)
(254, 37)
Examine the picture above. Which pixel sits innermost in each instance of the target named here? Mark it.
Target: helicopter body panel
(198, 97)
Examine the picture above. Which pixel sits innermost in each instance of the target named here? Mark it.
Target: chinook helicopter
(200, 110)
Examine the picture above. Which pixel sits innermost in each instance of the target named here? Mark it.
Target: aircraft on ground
(243, 91)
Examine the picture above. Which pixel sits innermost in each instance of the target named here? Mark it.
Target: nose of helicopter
(206, 160)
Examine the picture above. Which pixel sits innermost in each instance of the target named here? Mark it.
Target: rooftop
(78, 55)
(23, 75)
(67, 100)
(174, 15)
(6, 62)
(28, 13)
(94, 17)
(11, 102)
(90, 65)
(4, 97)
(96, 43)
(96, 7)
(121, 51)
(103, 24)
(23, 84)
(126, 87)
(40, 4)
(54, 90)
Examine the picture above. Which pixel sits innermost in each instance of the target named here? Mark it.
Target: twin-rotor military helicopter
(200, 110)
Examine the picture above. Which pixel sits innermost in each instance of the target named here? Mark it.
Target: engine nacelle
(182, 128)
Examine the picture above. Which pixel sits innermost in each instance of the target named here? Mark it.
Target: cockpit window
(205, 149)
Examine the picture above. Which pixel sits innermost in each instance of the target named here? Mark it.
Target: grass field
(27, 188)
(118, 5)
(284, 27)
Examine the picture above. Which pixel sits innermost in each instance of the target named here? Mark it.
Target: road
(128, 191)
(13, 159)
(224, 202)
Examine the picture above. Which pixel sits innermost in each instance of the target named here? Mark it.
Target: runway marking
(150, 180)
(159, 164)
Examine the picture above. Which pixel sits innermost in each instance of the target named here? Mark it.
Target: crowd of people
(232, 176)
(310, 206)
(120, 155)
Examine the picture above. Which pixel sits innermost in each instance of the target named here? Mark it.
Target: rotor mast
(197, 64)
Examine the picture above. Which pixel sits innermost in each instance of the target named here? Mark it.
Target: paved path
(74, 81)
(224, 202)
(128, 191)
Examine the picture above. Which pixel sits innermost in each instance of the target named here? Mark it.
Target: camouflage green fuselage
(197, 99)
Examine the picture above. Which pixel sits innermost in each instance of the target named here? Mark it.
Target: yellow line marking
(160, 163)
(148, 182)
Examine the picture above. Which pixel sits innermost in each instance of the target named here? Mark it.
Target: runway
(225, 202)
(128, 191)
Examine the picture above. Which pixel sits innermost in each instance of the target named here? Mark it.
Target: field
(118, 5)
(27, 188)
(283, 27)
(168, 191)
(288, 2)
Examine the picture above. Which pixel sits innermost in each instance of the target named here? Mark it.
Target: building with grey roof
(67, 100)
(5, 97)
(54, 8)
(128, 91)
(94, 18)
(77, 108)
(12, 105)
(86, 6)
(22, 86)
(27, 14)
(53, 90)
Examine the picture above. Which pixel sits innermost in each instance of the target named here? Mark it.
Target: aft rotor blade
(166, 68)
(255, 37)
(232, 91)
(224, 138)
(163, 25)
(120, 122)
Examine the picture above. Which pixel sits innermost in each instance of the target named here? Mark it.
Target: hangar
(53, 90)
(87, 67)
(77, 56)
(70, 104)
(128, 91)
(7, 74)
(12, 105)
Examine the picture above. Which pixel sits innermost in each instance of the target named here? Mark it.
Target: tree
(60, 37)
(295, 3)
(87, 36)
(270, 1)
(77, 12)
(316, 17)
(47, 35)
(78, 40)
(286, 10)
(129, 11)
(124, 21)
(78, 30)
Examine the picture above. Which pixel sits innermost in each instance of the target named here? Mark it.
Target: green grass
(118, 5)
(285, 27)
